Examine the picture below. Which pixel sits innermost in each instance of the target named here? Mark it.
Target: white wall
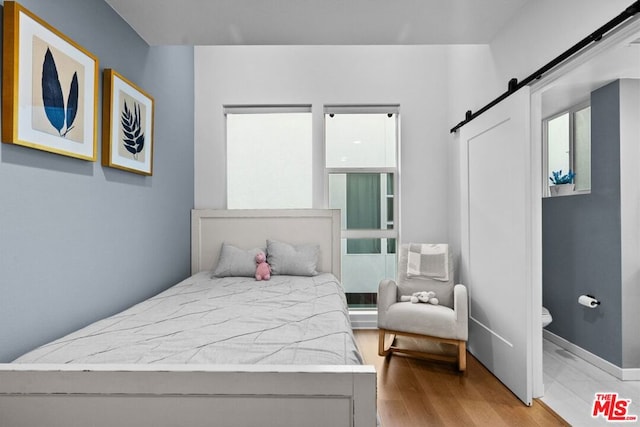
(434, 85)
(540, 31)
(473, 82)
(629, 214)
(543, 29)
(416, 77)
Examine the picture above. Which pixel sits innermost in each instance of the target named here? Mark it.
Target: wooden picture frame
(127, 125)
(50, 87)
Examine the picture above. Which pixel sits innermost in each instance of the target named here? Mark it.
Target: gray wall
(582, 240)
(79, 241)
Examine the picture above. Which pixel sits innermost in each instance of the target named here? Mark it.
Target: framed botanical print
(50, 87)
(127, 128)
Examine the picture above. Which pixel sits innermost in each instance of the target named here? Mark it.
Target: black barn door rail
(515, 85)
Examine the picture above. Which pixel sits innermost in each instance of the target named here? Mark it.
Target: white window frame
(369, 109)
(545, 144)
(265, 109)
(366, 317)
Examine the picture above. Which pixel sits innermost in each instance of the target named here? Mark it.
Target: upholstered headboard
(251, 228)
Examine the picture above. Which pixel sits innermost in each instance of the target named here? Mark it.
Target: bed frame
(203, 395)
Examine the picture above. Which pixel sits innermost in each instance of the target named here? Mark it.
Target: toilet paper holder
(588, 301)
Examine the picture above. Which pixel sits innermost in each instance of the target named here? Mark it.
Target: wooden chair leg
(462, 356)
(381, 350)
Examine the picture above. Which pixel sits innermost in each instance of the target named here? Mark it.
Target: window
(361, 147)
(269, 159)
(568, 143)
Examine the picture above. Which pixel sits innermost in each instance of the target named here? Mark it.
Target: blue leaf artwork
(72, 102)
(52, 92)
(133, 140)
(53, 98)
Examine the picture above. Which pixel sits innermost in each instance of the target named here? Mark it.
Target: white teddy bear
(423, 296)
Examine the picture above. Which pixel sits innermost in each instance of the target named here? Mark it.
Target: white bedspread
(286, 320)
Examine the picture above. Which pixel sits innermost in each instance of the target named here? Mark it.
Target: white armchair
(446, 322)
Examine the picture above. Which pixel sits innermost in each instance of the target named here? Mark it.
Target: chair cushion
(408, 285)
(426, 319)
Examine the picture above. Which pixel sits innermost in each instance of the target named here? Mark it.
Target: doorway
(599, 339)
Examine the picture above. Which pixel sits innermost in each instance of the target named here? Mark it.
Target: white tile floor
(571, 383)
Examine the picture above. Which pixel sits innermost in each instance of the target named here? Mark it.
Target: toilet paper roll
(588, 301)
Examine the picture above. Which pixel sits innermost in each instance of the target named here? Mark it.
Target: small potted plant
(561, 184)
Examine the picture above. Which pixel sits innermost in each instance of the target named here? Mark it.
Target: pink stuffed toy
(263, 270)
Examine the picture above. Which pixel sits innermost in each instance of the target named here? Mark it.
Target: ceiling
(316, 22)
(359, 22)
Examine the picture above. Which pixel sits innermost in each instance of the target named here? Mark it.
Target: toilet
(546, 317)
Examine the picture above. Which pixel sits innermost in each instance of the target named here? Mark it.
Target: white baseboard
(628, 374)
(631, 374)
(364, 319)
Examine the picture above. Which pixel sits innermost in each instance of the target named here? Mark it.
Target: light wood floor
(415, 392)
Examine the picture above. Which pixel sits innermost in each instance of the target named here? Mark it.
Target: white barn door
(496, 239)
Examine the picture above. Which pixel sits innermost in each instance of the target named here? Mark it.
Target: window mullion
(572, 151)
(366, 234)
(360, 170)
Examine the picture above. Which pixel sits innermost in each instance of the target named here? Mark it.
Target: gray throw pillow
(292, 260)
(234, 262)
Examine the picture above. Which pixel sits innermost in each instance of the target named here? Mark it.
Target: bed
(228, 351)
